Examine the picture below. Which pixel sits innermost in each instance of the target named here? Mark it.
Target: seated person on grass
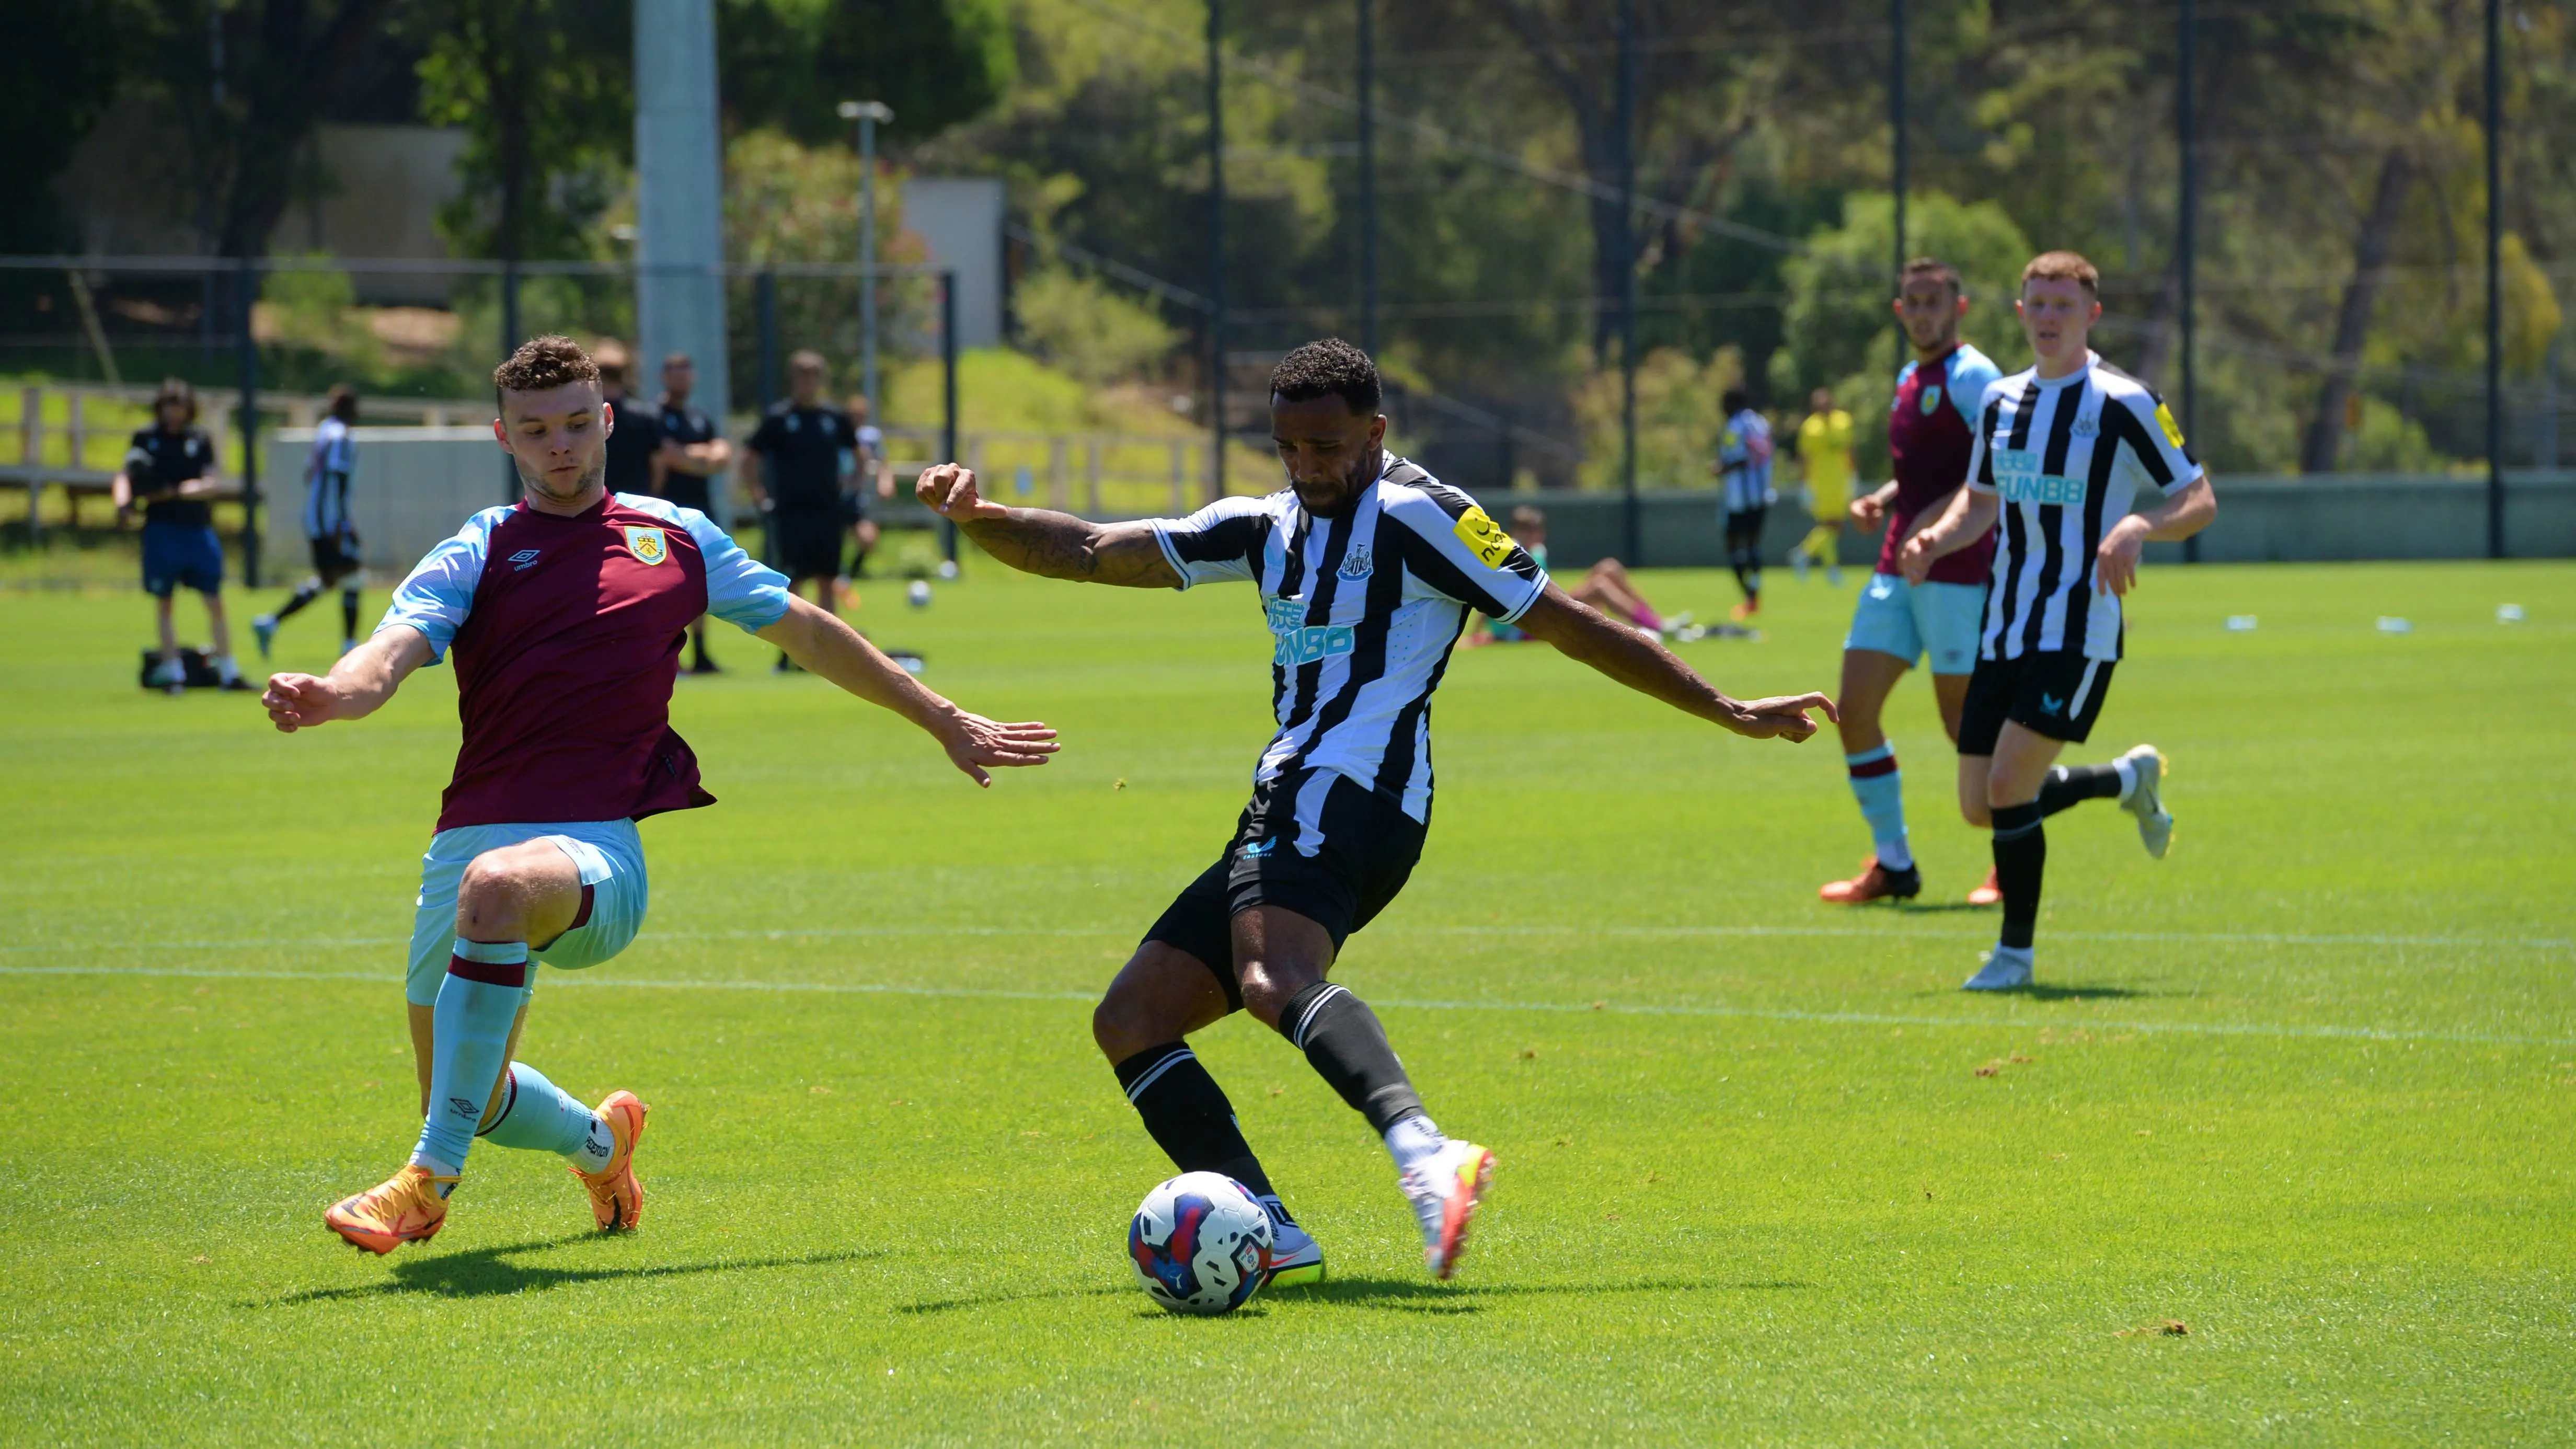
(1606, 586)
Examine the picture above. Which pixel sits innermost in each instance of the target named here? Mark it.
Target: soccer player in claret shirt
(1366, 570)
(1930, 431)
(565, 612)
(2062, 450)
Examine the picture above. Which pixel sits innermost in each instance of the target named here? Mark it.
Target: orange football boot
(404, 1208)
(1875, 883)
(1746, 610)
(616, 1197)
(1989, 894)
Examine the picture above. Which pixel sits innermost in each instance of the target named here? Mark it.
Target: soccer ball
(1201, 1243)
(919, 594)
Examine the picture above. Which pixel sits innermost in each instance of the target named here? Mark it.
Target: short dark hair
(177, 390)
(541, 363)
(1933, 267)
(1735, 401)
(341, 402)
(1329, 367)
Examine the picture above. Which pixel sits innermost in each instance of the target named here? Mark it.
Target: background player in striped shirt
(1931, 431)
(328, 526)
(563, 616)
(1744, 466)
(1367, 569)
(2062, 450)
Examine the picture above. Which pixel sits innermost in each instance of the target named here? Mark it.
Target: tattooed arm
(1051, 545)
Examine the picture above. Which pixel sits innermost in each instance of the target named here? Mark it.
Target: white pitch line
(2326, 1032)
(1893, 936)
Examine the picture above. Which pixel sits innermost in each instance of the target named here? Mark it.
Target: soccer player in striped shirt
(2062, 451)
(1367, 569)
(564, 614)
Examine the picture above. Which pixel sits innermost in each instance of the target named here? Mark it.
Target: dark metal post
(1900, 164)
(510, 339)
(2187, 238)
(1631, 513)
(767, 293)
(246, 292)
(1216, 250)
(1368, 176)
(2495, 288)
(948, 396)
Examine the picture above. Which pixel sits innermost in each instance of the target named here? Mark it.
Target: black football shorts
(1313, 842)
(2057, 694)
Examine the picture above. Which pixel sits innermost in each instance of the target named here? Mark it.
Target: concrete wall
(414, 487)
(2259, 520)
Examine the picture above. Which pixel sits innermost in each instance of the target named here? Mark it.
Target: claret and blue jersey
(566, 633)
(1363, 610)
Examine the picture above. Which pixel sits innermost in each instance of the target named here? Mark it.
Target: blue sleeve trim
(439, 592)
(741, 590)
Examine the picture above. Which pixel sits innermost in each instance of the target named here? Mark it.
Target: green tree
(788, 64)
(544, 92)
(57, 74)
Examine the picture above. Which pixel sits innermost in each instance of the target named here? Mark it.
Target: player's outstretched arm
(825, 644)
(1583, 633)
(2177, 518)
(1048, 544)
(356, 687)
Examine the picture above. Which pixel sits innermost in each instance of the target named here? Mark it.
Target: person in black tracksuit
(798, 447)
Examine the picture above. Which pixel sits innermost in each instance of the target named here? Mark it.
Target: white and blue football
(919, 594)
(1201, 1243)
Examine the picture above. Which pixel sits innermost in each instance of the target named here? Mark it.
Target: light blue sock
(485, 986)
(1880, 787)
(538, 1116)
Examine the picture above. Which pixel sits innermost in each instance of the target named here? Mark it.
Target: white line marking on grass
(1564, 1008)
(829, 933)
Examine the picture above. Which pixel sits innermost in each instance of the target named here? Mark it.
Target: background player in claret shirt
(2061, 452)
(1367, 569)
(171, 471)
(693, 450)
(867, 483)
(1931, 429)
(564, 613)
(329, 527)
(799, 445)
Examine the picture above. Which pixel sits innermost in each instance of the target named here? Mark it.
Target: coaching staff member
(801, 441)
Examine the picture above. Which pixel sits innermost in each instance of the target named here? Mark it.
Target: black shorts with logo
(1337, 861)
(2057, 694)
(335, 557)
(806, 544)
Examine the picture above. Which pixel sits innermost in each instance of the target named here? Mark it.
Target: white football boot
(2007, 968)
(2147, 801)
(1296, 1258)
(1445, 1189)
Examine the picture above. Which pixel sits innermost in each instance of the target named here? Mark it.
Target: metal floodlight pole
(1216, 249)
(2187, 232)
(2495, 286)
(1368, 176)
(510, 338)
(246, 292)
(868, 114)
(766, 293)
(1899, 163)
(1631, 512)
(948, 396)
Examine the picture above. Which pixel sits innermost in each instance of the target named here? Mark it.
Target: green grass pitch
(2305, 1087)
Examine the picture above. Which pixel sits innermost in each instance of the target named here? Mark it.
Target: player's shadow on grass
(2044, 991)
(1412, 1295)
(1938, 908)
(488, 1272)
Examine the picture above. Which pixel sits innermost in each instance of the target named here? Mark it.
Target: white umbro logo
(523, 558)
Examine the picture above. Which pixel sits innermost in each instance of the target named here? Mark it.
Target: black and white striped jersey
(2067, 456)
(1363, 611)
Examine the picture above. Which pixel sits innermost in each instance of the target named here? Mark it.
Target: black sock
(348, 613)
(305, 593)
(1188, 1116)
(698, 644)
(2021, 857)
(1347, 1048)
(2068, 784)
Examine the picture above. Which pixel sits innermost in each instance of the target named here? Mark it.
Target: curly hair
(541, 363)
(1332, 367)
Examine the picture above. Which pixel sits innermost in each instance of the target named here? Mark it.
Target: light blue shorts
(610, 856)
(1912, 620)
